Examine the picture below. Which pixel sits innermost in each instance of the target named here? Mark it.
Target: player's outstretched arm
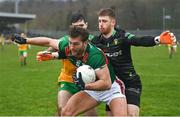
(41, 41)
(166, 37)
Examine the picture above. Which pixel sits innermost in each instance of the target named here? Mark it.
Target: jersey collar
(108, 40)
(114, 32)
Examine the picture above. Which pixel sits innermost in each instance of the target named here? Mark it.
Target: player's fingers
(172, 35)
(167, 31)
(40, 53)
(80, 75)
(37, 58)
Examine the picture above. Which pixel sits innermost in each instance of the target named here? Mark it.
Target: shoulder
(65, 37)
(95, 53)
(96, 39)
(93, 49)
(63, 42)
(120, 32)
(96, 58)
(125, 35)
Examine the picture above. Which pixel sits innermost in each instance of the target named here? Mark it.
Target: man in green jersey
(105, 89)
(66, 86)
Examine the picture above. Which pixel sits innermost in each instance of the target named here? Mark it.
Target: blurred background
(51, 17)
(31, 90)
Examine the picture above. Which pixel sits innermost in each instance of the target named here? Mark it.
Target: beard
(78, 52)
(105, 31)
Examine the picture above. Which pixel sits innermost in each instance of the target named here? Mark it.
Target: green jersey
(68, 69)
(93, 57)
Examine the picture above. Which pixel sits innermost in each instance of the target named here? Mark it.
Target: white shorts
(117, 91)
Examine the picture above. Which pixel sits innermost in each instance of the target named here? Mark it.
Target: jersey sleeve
(63, 41)
(97, 61)
(62, 44)
(146, 41)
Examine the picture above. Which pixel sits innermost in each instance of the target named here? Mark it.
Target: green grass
(161, 80)
(31, 90)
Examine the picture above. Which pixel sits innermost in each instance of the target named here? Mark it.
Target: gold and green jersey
(22, 47)
(67, 71)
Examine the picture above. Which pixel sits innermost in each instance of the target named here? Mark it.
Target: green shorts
(70, 87)
(22, 52)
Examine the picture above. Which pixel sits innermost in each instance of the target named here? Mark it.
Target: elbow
(108, 85)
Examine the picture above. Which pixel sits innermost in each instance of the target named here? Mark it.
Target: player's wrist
(28, 40)
(25, 40)
(157, 40)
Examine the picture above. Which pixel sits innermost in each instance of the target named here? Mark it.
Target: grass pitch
(31, 90)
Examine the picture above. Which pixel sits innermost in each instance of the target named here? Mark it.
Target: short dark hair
(107, 12)
(75, 31)
(76, 17)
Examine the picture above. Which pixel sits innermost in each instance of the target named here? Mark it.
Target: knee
(133, 114)
(133, 111)
(66, 112)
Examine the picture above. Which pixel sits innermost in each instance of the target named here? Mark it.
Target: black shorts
(133, 88)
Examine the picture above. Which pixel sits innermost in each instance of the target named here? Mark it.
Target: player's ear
(113, 22)
(86, 25)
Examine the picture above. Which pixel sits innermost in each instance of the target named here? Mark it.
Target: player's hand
(18, 39)
(166, 37)
(44, 56)
(78, 81)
